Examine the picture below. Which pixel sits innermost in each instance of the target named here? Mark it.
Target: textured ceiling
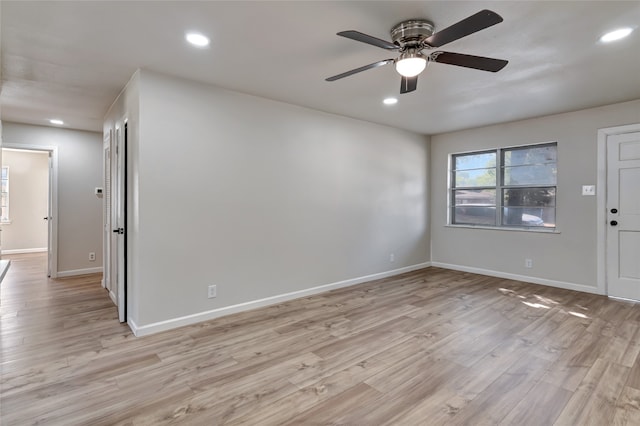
(71, 59)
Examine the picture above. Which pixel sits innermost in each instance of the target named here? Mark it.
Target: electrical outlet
(528, 263)
(392, 257)
(212, 292)
(92, 256)
(588, 190)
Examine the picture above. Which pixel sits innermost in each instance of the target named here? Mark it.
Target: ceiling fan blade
(469, 61)
(479, 21)
(408, 84)
(357, 70)
(364, 38)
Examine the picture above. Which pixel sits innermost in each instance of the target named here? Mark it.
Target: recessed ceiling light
(390, 101)
(197, 39)
(616, 35)
(56, 121)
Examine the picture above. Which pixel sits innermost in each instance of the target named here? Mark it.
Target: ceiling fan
(411, 37)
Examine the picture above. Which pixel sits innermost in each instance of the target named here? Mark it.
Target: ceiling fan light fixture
(411, 37)
(411, 64)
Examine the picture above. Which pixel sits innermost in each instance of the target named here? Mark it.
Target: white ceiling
(70, 60)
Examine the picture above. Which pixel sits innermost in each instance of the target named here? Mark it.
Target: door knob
(614, 223)
(614, 211)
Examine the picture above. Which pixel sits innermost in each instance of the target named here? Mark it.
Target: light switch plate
(588, 190)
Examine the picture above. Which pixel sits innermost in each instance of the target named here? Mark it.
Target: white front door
(623, 216)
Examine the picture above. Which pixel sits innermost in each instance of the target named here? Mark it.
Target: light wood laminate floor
(425, 348)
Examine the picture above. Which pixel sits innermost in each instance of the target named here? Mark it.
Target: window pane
(471, 178)
(530, 175)
(529, 207)
(530, 155)
(529, 197)
(5, 185)
(528, 216)
(477, 197)
(475, 161)
(474, 215)
(4, 172)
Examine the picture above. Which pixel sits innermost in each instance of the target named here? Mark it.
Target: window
(4, 197)
(506, 187)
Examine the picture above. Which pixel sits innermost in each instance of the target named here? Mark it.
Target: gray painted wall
(263, 198)
(568, 258)
(79, 172)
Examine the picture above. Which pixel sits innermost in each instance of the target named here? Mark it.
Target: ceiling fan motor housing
(411, 34)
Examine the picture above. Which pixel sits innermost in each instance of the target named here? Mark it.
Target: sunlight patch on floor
(536, 305)
(542, 302)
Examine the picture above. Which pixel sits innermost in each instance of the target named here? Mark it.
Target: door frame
(601, 200)
(52, 249)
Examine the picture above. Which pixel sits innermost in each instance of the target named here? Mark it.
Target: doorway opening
(29, 200)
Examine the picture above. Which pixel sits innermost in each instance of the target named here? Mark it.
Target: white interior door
(106, 250)
(115, 181)
(623, 216)
(113, 219)
(120, 220)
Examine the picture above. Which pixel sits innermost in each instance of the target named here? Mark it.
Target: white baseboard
(22, 251)
(74, 272)
(516, 277)
(623, 299)
(227, 310)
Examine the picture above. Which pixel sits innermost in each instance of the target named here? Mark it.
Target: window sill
(5, 222)
(504, 228)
